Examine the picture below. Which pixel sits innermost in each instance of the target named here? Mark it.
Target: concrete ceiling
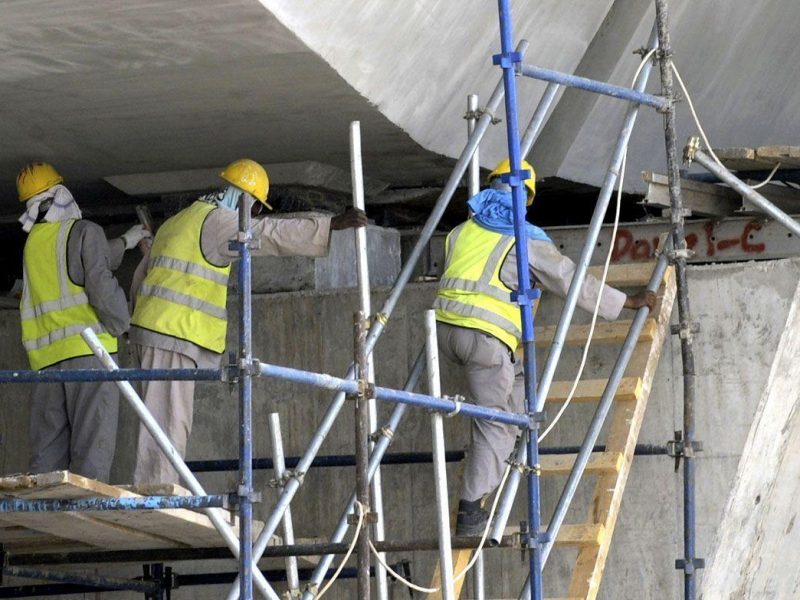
(106, 89)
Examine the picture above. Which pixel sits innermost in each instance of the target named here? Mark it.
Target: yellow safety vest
(54, 310)
(471, 293)
(183, 295)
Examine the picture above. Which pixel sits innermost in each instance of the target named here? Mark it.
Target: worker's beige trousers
(172, 404)
(493, 381)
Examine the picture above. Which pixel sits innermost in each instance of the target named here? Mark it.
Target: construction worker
(179, 318)
(68, 286)
(479, 326)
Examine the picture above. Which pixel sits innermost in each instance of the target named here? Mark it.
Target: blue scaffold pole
(525, 295)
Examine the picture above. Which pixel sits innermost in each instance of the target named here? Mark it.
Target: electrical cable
(606, 266)
(475, 553)
(352, 547)
(705, 137)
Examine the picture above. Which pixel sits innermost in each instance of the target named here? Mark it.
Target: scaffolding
(364, 507)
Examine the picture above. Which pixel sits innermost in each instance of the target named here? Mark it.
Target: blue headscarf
(229, 198)
(493, 209)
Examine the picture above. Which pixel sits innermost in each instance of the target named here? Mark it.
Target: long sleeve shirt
(91, 258)
(554, 271)
(307, 235)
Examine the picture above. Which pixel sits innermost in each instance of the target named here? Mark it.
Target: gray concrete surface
(742, 309)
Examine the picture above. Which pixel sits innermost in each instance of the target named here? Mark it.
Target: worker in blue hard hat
(181, 289)
(479, 326)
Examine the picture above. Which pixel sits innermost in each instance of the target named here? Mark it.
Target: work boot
(472, 519)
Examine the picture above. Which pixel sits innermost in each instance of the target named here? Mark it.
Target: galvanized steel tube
(534, 127)
(217, 516)
(474, 173)
(278, 458)
(439, 464)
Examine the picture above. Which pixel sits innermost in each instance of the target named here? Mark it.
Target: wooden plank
(623, 432)
(599, 462)
(604, 333)
(788, 156)
(184, 527)
(590, 390)
(742, 159)
(625, 275)
(582, 535)
(699, 198)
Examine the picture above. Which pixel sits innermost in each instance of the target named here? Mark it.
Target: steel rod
(292, 577)
(479, 578)
(524, 296)
(689, 563)
(349, 386)
(95, 504)
(745, 190)
(245, 402)
(474, 172)
(534, 127)
(361, 419)
(439, 465)
(216, 515)
(591, 85)
(581, 268)
(75, 375)
(362, 265)
(395, 458)
(114, 583)
(388, 307)
(378, 451)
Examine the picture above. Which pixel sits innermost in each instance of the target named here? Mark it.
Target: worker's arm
(296, 236)
(89, 265)
(554, 272)
(116, 251)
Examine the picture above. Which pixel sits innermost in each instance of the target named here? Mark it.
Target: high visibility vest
(471, 293)
(54, 310)
(183, 295)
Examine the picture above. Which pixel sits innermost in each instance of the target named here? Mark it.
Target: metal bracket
(382, 432)
(683, 253)
(479, 112)
(690, 566)
(370, 517)
(685, 331)
(523, 468)
(459, 402)
(690, 151)
(253, 497)
(230, 373)
(527, 298)
(288, 475)
(679, 448)
(252, 366)
(244, 238)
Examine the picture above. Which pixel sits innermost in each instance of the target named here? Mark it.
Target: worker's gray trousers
(172, 404)
(493, 380)
(74, 425)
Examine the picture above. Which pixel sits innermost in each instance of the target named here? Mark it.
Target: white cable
(475, 553)
(324, 590)
(602, 279)
(703, 131)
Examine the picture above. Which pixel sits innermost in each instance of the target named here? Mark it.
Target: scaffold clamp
(690, 566)
(507, 60)
(679, 448)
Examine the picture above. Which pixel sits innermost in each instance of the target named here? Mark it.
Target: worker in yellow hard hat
(68, 286)
(180, 315)
(479, 326)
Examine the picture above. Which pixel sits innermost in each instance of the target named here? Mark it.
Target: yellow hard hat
(249, 176)
(504, 167)
(35, 178)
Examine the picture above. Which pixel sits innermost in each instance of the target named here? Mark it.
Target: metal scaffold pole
(439, 465)
(279, 461)
(362, 263)
(245, 491)
(362, 453)
(689, 563)
(525, 295)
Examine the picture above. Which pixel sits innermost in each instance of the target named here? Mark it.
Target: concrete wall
(742, 309)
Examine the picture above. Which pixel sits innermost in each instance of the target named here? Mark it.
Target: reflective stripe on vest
(54, 310)
(471, 293)
(183, 295)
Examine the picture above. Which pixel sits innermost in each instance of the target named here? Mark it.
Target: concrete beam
(754, 555)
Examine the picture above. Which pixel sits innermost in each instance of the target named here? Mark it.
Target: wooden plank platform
(590, 390)
(763, 158)
(625, 275)
(117, 529)
(604, 333)
(599, 462)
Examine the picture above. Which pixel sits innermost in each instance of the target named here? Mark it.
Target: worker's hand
(134, 235)
(352, 217)
(643, 298)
